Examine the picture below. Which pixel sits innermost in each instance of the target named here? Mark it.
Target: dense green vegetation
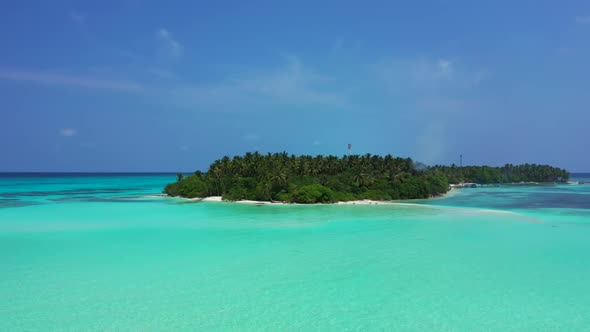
(326, 179)
(506, 174)
(307, 179)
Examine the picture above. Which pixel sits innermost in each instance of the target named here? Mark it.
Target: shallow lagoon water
(98, 253)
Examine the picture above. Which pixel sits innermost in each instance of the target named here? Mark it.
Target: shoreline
(453, 189)
(218, 199)
(522, 183)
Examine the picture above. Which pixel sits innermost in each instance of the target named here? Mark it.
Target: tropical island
(280, 177)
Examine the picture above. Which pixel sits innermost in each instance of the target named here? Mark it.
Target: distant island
(281, 177)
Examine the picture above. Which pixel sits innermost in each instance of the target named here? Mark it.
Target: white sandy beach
(356, 202)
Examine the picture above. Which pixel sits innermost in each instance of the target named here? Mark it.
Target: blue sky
(169, 86)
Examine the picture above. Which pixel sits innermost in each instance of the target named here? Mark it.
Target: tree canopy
(505, 174)
(325, 179)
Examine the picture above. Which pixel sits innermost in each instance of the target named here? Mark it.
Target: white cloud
(87, 144)
(78, 17)
(292, 84)
(250, 137)
(67, 80)
(564, 50)
(161, 73)
(430, 92)
(423, 77)
(583, 20)
(445, 67)
(338, 45)
(168, 45)
(431, 143)
(68, 132)
(316, 143)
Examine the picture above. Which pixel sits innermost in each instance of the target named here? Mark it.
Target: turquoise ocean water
(100, 253)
